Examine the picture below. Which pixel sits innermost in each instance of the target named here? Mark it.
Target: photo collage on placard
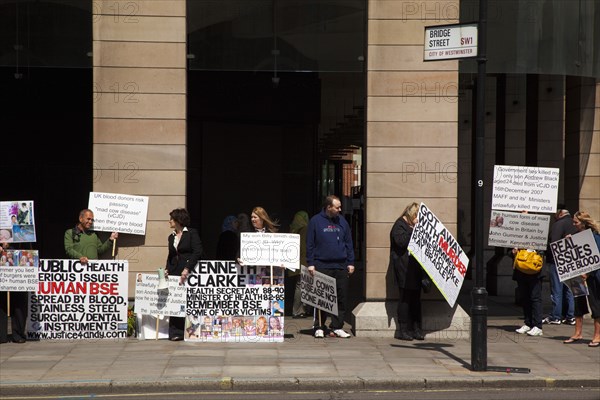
(19, 258)
(17, 222)
(245, 327)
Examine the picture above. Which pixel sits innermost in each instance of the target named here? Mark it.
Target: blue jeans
(559, 293)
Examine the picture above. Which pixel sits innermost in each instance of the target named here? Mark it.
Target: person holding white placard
(329, 250)
(261, 222)
(582, 221)
(560, 294)
(82, 243)
(408, 275)
(529, 287)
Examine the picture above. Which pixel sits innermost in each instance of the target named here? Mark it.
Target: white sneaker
(535, 331)
(523, 329)
(319, 333)
(341, 333)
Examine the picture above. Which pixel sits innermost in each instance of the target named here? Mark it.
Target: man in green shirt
(81, 242)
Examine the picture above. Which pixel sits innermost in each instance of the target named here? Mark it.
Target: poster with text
(121, 213)
(17, 222)
(520, 230)
(19, 270)
(146, 327)
(575, 255)
(229, 303)
(439, 253)
(151, 300)
(79, 301)
(532, 189)
(319, 291)
(279, 249)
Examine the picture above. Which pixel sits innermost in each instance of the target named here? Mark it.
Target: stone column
(140, 115)
(411, 150)
(582, 145)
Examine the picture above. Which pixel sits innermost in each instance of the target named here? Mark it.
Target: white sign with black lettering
(446, 42)
(153, 301)
(575, 255)
(319, 291)
(532, 189)
(121, 213)
(79, 301)
(279, 249)
(434, 247)
(520, 230)
(227, 304)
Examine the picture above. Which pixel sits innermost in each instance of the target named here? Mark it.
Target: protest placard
(122, 213)
(225, 304)
(520, 230)
(279, 249)
(19, 270)
(79, 301)
(578, 286)
(525, 188)
(575, 255)
(319, 291)
(439, 253)
(151, 300)
(147, 326)
(17, 222)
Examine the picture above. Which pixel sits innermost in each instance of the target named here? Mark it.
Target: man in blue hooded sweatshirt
(329, 250)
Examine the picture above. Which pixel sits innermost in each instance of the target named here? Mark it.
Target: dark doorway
(47, 148)
(250, 143)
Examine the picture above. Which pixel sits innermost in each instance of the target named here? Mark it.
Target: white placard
(147, 327)
(17, 221)
(121, 213)
(575, 255)
(279, 249)
(153, 301)
(19, 270)
(439, 253)
(225, 304)
(520, 230)
(445, 42)
(319, 291)
(532, 189)
(79, 301)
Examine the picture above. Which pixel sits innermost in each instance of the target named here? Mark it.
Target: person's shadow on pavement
(439, 347)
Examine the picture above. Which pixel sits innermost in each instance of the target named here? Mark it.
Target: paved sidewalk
(300, 363)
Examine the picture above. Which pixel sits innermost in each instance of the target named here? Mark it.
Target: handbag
(528, 262)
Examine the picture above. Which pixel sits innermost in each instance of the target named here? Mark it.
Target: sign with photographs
(17, 221)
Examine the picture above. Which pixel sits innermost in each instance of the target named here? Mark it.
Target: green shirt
(84, 244)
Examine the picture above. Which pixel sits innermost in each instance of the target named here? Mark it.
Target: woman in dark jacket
(408, 274)
(185, 250)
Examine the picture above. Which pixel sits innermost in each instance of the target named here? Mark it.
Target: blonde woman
(408, 274)
(261, 222)
(582, 221)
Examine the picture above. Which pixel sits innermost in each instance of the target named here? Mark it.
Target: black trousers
(18, 315)
(176, 326)
(409, 307)
(530, 291)
(341, 280)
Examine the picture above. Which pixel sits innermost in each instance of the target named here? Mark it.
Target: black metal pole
(479, 293)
